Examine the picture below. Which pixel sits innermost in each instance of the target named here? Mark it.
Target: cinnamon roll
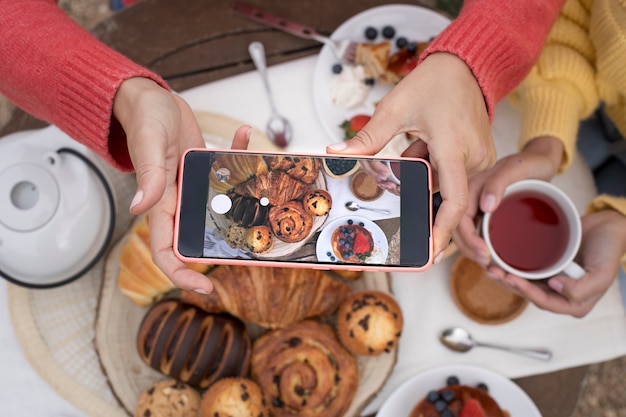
(304, 371)
(290, 222)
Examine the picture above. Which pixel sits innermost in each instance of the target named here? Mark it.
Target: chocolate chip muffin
(369, 323)
(168, 398)
(239, 397)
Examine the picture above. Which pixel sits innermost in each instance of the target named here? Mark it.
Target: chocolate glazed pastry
(193, 346)
(290, 222)
(304, 371)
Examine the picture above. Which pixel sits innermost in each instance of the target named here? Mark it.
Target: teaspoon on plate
(354, 206)
(460, 340)
(278, 128)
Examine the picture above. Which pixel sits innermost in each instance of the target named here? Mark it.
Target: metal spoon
(460, 340)
(354, 206)
(278, 128)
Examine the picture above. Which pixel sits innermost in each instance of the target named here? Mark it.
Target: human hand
(603, 244)
(160, 127)
(540, 159)
(441, 105)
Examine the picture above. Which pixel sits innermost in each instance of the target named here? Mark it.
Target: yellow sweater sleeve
(607, 202)
(560, 90)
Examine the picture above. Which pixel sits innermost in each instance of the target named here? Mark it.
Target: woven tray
(119, 320)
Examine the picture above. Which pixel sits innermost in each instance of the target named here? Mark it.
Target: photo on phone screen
(310, 209)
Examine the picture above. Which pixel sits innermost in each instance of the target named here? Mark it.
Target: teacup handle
(573, 270)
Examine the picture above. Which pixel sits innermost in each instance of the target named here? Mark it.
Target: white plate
(413, 22)
(507, 394)
(381, 245)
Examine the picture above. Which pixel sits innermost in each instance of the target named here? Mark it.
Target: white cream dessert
(348, 88)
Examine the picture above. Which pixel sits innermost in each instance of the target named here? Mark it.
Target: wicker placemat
(56, 327)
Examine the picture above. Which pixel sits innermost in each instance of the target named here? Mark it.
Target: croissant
(290, 222)
(303, 169)
(138, 277)
(229, 170)
(270, 297)
(277, 186)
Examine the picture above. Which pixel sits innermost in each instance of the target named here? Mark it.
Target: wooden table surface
(193, 42)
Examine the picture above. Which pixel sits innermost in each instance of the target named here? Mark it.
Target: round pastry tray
(119, 319)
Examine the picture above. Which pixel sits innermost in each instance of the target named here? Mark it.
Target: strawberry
(361, 245)
(351, 127)
(402, 62)
(472, 408)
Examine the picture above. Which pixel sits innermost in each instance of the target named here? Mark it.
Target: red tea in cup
(529, 231)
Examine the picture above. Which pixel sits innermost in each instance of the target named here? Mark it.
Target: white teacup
(538, 231)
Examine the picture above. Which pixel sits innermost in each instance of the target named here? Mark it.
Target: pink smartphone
(309, 211)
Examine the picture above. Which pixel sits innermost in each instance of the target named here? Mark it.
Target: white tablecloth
(424, 297)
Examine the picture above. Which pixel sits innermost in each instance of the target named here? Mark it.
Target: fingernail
(201, 291)
(556, 285)
(489, 203)
(438, 258)
(340, 146)
(137, 198)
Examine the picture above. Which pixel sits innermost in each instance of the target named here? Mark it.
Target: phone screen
(307, 209)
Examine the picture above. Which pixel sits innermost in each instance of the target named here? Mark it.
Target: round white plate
(507, 394)
(381, 245)
(413, 22)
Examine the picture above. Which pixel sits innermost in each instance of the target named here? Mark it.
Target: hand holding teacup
(535, 232)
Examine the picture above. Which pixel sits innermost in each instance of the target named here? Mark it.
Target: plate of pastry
(258, 326)
(352, 239)
(390, 39)
(455, 387)
(278, 204)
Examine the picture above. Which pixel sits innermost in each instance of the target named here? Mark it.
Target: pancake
(480, 298)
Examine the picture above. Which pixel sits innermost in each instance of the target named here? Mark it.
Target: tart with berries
(457, 400)
(352, 242)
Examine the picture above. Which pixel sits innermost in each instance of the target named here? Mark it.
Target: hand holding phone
(244, 207)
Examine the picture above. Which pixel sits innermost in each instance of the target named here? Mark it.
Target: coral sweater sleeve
(57, 71)
(499, 40)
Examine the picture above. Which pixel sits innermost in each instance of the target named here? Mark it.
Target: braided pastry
(303, 169)
(270, 297)
(192, 346)
(304, 371)
(290, 222)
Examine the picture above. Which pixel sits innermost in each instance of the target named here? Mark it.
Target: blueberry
(448, 396)
(371, 33)
(362, 224)
(401, 42)
(389, 32)
(350, 221)
(332, 258)
(452, 380)
(369, 81)
(411, 47)
(432, 396)
(483, 386)
(446, 413)
(440, 406)
(337, 68)
(329, 254)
